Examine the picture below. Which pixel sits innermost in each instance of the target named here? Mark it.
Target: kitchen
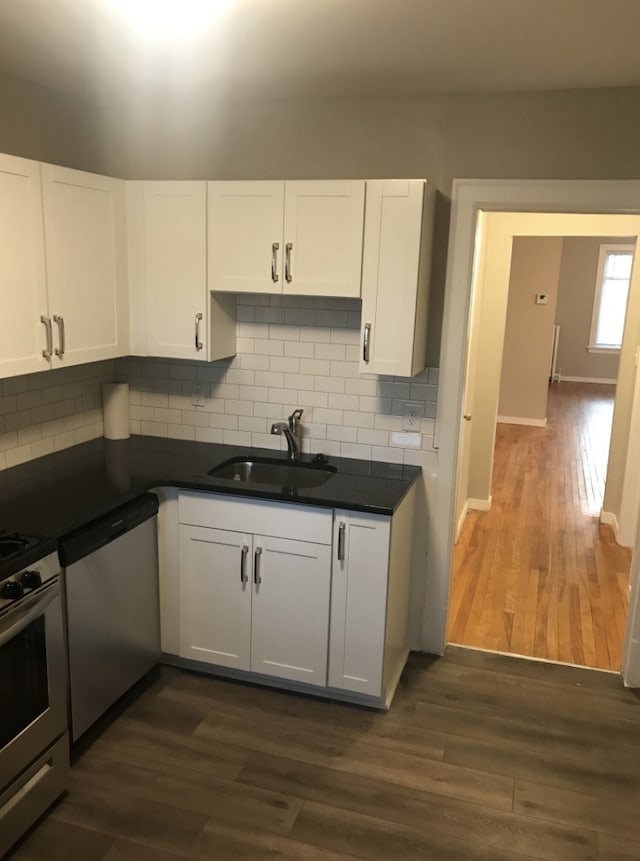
(438, 140)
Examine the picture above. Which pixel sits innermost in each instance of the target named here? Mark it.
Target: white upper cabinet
(323, 224)
(395, 277)
(85, 240)
(299, 237)
(245, 236)
(23, 334)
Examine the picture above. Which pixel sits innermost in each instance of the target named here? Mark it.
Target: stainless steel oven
(34, 755)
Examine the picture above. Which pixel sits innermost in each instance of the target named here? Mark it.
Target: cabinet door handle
(257, 577)
(341, 535)
(198, 341)
(243, 564)
(366, 342)
(48, 351)
(274, 262)
(61, 336)
(287, 262)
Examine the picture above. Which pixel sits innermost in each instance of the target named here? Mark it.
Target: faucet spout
(291, 431)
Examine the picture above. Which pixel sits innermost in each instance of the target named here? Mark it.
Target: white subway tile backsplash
(209, 435)
(285, 365)
(374, 405)
(340, 401)
(360, 452)
(236, 437)
(238, 407)
(336, 352)
(293, 352)
(254, 424)
(356, 419)
(299, 381)
(299, 349)
(224, 421)
(341, 433)
(265, 347)
(270, 379)
(330, 384)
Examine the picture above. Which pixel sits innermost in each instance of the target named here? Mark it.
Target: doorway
(534, 571)
(508, 198)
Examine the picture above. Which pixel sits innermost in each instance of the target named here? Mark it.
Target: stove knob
(12, 590)
(31, 579)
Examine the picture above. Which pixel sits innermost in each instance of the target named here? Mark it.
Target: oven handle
(26, 617)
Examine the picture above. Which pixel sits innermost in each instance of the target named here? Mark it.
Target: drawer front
(278, 519)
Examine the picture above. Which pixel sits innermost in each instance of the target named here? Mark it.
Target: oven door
(32, 679)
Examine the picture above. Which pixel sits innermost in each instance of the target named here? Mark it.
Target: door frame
(615, 197)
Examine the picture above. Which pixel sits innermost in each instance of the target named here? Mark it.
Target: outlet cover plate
(412, 416)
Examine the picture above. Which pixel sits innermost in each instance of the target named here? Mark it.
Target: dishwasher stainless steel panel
(113, 621)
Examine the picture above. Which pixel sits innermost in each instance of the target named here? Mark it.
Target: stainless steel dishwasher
(113, 621)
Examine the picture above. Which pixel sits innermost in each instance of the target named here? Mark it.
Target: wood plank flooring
(481, 758)
(538, 575)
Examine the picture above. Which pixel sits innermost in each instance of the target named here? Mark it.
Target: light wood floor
(481, 758)
(538, 575)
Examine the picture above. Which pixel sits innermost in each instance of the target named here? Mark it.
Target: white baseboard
(564, 379)
(479, 504)
(518, 420)
(610, 519)
(461, 520)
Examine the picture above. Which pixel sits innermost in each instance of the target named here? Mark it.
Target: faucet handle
(294, 419)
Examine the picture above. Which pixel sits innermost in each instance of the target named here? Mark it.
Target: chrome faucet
(291, 430)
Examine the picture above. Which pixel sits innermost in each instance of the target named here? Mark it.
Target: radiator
(554, 375)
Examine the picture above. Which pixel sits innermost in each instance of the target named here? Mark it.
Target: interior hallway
(538, 575)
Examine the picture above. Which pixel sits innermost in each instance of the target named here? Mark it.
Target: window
(610, 301)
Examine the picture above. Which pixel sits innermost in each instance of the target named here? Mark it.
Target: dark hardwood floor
(482, 757)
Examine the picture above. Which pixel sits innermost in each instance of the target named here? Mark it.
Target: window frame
(605, 249)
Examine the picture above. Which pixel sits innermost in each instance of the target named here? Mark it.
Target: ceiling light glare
(174, 20)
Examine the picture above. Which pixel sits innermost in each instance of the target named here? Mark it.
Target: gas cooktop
(18, 550)
(12, 543)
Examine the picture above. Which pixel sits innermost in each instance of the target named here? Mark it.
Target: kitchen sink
(275, 472)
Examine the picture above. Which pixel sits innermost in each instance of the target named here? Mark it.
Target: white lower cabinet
(359, 601)
(250, 601)
(306, 595)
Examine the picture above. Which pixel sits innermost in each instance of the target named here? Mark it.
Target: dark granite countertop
(55, 494)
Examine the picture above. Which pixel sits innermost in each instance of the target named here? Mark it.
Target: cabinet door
(215, 596)
(359, 602)
(245, 236)
(175, 261)
(394, 297)
(22, 272)
(323, 229)
(290, 626)
(84, 223)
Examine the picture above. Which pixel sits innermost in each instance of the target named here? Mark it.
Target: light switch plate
(542, 298)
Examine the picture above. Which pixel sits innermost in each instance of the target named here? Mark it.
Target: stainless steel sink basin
(274, 472)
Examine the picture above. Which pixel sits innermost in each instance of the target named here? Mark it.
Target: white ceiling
(327, 48)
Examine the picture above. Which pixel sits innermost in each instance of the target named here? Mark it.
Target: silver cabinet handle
(48, 351)
(257, 578)
(366, 342)
(198, 341)
(287, 262)
(243, 564)
(274, 262)
(61, 337)
(341, 535)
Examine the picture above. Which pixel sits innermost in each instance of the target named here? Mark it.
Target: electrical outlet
(197, 395)
(411, 416)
